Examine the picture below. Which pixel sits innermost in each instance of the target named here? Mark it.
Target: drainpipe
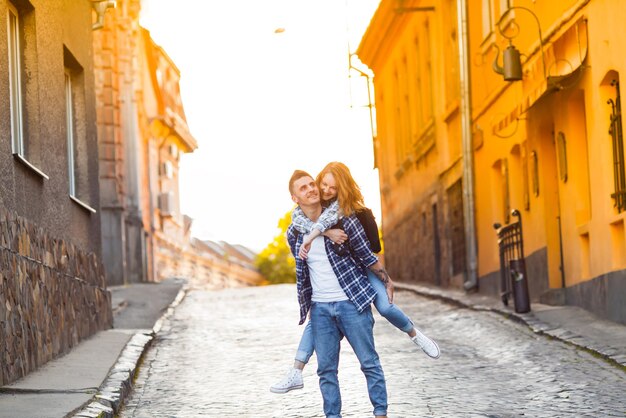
(471, 281)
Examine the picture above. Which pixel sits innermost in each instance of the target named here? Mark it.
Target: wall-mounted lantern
(511, 68)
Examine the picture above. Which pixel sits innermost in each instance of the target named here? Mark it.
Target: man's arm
(292, 238)
(361, 249)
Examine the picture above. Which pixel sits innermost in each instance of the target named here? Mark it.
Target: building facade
(414, 57)
(142, 133)
(122, 168)
(52, 288)
(546, 140)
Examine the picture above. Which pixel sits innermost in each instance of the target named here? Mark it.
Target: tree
(275, 262)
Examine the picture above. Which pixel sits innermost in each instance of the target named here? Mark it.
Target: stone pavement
(219, 352)
(569, 324)
(99, 370)
(96, 377)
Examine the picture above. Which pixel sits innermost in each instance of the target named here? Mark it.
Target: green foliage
(275, 262)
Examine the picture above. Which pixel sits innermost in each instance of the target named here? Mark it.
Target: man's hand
(338, 236)
(304, 250)
(382, 274)
(389, 287)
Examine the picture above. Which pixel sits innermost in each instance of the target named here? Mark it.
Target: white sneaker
(428, 345)
(291, 381)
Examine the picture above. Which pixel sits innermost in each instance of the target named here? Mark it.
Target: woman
(342, 196)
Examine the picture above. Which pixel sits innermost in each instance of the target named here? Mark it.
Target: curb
(535, 324)
(118, 384)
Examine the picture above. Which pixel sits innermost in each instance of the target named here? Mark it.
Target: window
(505, 191)
(77, 150)
(456, 225)
(15, 82)
(451, 54)
(561, 152)
(500, 190)
(423, 84)
(615, 130)
(69, 122)
(406, 111)
(525, 180)
(493, 10)
(487, 18)
(534, 170)
(399, 132)
(25, 144)
(504, 6)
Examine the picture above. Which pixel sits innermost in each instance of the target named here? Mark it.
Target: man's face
(305, 191)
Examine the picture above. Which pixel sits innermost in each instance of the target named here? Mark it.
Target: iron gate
(513, 280)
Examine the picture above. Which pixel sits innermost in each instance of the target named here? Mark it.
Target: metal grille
(511, 246)
(615, 130)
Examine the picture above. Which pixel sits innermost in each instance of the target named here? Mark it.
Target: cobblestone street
(220, 351)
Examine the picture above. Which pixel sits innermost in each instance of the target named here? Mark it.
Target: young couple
(338, 277)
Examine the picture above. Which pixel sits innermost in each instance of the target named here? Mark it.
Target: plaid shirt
(349, 269)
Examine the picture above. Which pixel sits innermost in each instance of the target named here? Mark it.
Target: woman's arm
(306, 243)
(329, 217)
(299, 220)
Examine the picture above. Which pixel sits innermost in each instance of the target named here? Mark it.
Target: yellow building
(546, 139)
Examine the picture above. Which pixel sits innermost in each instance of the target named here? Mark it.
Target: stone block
(52, 296)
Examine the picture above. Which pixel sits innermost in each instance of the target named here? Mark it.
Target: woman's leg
(399, 319)
(388, 310)
(305, 348)
(293, 379)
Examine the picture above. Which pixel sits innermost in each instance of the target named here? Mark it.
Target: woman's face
(328, 187)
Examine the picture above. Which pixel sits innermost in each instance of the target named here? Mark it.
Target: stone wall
(52, 296)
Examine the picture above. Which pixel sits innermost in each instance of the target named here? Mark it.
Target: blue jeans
(330, 322)
(387, 310)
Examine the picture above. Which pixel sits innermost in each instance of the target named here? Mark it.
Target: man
(337, 292)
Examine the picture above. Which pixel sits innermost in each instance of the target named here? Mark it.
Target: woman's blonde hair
(348, 191)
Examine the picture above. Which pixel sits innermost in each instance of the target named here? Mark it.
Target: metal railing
(615, 130)
(513, 280)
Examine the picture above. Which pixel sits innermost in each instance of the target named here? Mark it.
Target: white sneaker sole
(277, 390)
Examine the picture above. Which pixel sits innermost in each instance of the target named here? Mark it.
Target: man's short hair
(297, 175)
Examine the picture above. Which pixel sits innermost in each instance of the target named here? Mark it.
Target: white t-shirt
(324, 282)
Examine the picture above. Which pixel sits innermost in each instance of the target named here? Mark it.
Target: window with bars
(615, 130)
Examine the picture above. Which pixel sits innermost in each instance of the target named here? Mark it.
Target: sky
(266, 89)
